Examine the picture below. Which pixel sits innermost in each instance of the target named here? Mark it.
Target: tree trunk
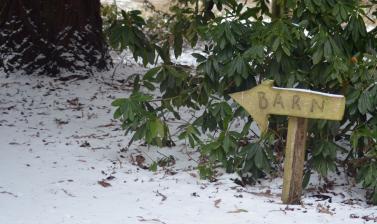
(277, 9)
(51, 36)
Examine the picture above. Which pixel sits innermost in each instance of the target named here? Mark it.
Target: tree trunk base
(50, 37)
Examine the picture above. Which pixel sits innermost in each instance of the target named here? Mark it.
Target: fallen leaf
(85, 144)
(239, 210)
(194, 194)
(324, 209)
(193, 175)
(140, 160)
(287, 208)
(70, 77)
(322, 197)
(67, 193)
(141, 219)
(217, 202)
(74, 101)
(103, 183)
(369, 218)
(267, 193)
(106, 125)
(60, 122)
(110, 177)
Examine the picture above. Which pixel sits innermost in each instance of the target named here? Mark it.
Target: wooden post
(299, 104)
(294, 160)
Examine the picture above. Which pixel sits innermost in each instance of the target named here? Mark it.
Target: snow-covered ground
(63, 159)
(160, 5)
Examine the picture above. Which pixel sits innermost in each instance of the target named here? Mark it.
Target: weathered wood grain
(294, 160)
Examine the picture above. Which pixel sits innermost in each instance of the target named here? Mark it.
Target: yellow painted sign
(265, 99)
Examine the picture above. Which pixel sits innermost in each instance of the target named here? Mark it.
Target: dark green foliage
(321, 45)
(134, 114)
(124, 31)
(368, 177)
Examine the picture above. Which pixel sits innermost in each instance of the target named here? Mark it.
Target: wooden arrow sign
(265, 99)
(298, 104)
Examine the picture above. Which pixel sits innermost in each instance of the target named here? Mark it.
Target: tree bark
(277, 9)
(52, 36)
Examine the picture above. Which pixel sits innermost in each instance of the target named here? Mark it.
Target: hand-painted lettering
(278, 101)
(263, 102)
(315, 103)
(295, 102)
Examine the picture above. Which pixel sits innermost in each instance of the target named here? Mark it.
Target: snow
(125, 4)
(160, 5)
(310, 91)
(59, 141)
(65, 160)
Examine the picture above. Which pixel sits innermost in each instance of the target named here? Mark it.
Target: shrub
(321, 45)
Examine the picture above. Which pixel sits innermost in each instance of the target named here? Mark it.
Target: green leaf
(149, 85)
(178, 42)
(118, 102)
(117, 113)
(229, 34)
(327, 50)
(199, 58)
(286, 50)
(276, 44)
(151, 73)
(352, 97)
(226, 143)
(365, 103)
(153, 167)
(259, 158)
(250, 12)
(317, 56)
(306, 179)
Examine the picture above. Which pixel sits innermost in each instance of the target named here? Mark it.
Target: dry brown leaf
(324, 209)
(267, 193)
(106, 125)
(193, 175)
(369, 218)
(103, 183)
(141, 219)
(140, 160)
(238, 210)
(217, 202)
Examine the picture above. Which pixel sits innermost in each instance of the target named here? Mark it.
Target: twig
(162, 154)
(10, 193)
(67, 193)
(162, 195)
(116, 67)
(188, 154)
